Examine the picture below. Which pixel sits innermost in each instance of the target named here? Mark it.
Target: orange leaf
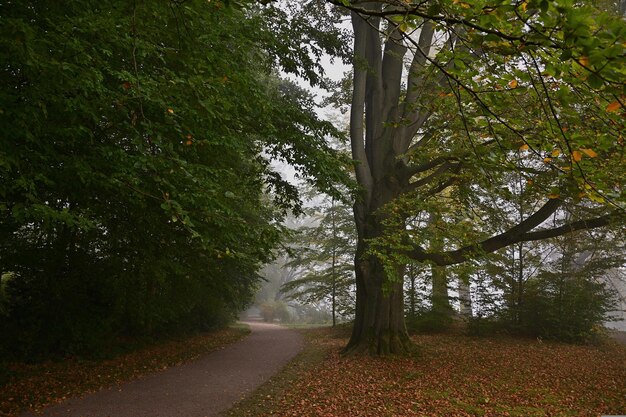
(577, 156)
(524, 147)
(589, 152)
(555, 153)
(613, 107)
(553, 196)
(170, 111)
(584, 61)
(513, 83)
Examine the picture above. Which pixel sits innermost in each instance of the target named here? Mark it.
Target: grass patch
(454, 375)
(35, 386)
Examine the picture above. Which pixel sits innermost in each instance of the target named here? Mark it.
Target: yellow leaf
(513, 83)
(613, 107)
(584, 61)
(553, 196)
(547, 159)
(596, 198)
(589, 152)
(524, 6)
(170, 111)
(577, 156)
(555, 153)
(524, 147)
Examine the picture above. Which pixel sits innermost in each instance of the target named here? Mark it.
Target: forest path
(204, 387)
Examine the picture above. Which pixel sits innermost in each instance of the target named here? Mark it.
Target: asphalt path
(202, 388)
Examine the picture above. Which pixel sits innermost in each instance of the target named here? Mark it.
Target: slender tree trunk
(520, 284)
(333, 265)
(465, 298)
(412, 294)
(440, 297)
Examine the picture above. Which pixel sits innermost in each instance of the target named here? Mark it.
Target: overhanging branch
(519, 233)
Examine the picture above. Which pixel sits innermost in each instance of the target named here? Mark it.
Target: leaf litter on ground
(36, 386)
(456, 375)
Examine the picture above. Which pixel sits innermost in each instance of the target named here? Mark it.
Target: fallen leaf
(613, 107)
(589, 152)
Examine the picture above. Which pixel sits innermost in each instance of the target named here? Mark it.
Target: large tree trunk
(379, 326)
(377, 140)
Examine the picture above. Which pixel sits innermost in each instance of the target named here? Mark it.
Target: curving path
(201, 388)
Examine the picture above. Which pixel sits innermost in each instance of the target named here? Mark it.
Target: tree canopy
(137, 193)
(452, 98)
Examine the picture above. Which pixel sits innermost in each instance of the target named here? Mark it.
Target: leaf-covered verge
(35, 386)
(453, 375)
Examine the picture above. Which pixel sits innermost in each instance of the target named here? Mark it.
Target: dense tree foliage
(135, 194)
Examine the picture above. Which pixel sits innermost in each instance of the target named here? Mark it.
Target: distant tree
(324, 256)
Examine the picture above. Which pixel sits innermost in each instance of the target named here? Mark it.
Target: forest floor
(448, 375)
(35, 386)
(202, 387)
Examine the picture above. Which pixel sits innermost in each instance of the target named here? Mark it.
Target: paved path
(201, 388)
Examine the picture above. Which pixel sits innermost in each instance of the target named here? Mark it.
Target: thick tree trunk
(377, 141)
(379, 326)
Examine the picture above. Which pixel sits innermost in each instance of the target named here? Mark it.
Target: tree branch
(519, 233)
(357, 134)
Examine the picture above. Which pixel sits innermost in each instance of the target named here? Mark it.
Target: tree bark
(379, 326)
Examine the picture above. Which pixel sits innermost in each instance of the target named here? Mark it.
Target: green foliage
(275, 310)
(533, 88)
(565, 307)
(429, 321)
(555, 290)
(135, 197)
(324, 256)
